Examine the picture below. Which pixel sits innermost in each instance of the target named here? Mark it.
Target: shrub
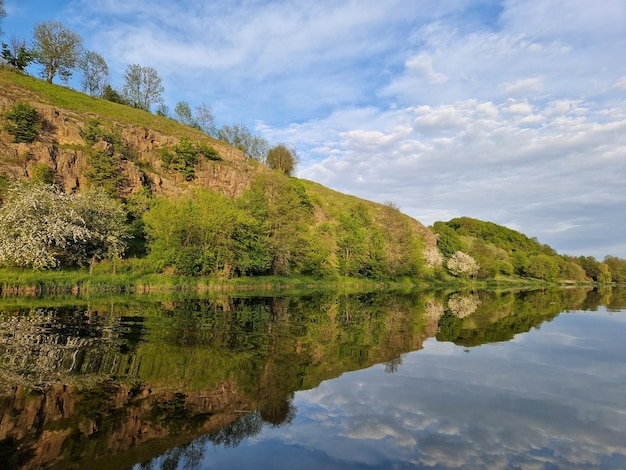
(22, 123)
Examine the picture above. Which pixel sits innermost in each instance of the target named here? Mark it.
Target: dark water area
(432, 379)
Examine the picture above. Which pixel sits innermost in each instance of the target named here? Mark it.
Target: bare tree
(206, 120)
(143, 87)
(95, 73)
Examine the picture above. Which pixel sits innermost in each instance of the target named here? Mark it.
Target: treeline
(59, 52)
(276, 227)
(500, 251)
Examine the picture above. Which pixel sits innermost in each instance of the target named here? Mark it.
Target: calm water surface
(389, 380)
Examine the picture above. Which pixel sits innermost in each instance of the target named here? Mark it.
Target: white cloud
(512, 112)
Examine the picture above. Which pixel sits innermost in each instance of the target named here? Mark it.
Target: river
(421, 379)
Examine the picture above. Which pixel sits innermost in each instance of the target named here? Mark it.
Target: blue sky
(509, 111)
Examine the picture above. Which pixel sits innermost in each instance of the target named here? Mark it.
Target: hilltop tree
(95, 73)
(3, 15)
(282, 158)
(57, 48)
(239, 136)
(206, 120)
(17, 54)
(142, 87)
(183, 113)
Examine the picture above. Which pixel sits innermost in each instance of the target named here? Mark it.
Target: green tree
(17, 54)
(206, 234)
(282, 203)
(183, 113)
(617, 268)
(57, 48)
(282, 158)
(543, 267)
(448, 240)
(95, 73)
(110, 94)
(41, 173)
(142, 87)
(22, 122)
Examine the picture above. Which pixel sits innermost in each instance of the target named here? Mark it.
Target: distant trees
(57, 48)
(43, 227)
(142, 87)
(95, 73)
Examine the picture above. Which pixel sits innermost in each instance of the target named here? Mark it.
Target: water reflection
(120, 382)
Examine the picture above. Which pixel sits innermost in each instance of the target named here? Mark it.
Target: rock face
(61, 147)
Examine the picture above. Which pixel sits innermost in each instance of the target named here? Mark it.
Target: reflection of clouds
(535, 403)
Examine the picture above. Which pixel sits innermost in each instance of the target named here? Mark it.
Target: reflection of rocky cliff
(65, 424)
(123, 382)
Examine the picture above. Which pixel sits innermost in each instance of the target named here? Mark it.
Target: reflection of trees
(213, 358)
(463, 305)
(501, 315)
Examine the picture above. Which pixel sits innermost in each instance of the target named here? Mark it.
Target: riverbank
(17, 281)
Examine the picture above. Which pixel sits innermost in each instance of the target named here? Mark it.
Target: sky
(509, 111)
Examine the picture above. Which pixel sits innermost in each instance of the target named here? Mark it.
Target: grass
(27, 88)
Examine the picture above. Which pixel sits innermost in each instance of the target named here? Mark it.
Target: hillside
(193, 205)
(303, 227)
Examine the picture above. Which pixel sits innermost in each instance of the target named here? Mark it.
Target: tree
(95, 73)
(617, 268)
(22, 123)
(543, 267)
(282, 158)
(3, 14)
(43, 227)
(239, 136)
(448, 240)
(110, 94)
(17, 54)
(142, 87)
(57, 48)
(206, 120)
(183, 113)
(462, 264)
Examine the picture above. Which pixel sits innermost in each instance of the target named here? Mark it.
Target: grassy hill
(284, 225)
(197, 206)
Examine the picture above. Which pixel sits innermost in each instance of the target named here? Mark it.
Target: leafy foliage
(282, 158)
(95, 73)
(205, 234)
(23, 123)
(57, 48)
(42, 227)
(184, 157)
(19, 56)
